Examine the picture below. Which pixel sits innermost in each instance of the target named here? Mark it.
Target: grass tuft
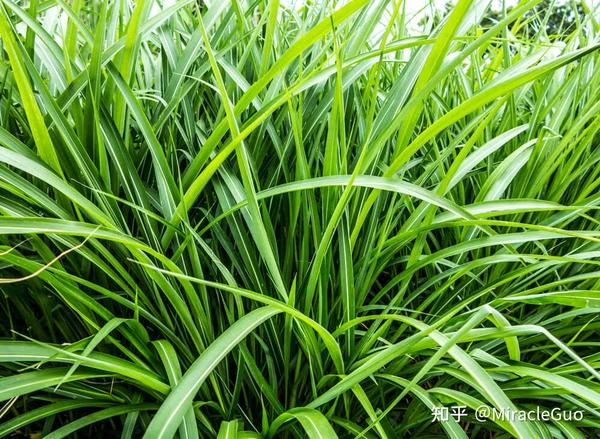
(259, 219)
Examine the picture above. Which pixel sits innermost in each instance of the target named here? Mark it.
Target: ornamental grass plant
(262, 219)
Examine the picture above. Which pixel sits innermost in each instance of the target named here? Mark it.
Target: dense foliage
(553, 18)
(249, 219)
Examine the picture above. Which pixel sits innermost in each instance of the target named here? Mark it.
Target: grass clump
(250, 219)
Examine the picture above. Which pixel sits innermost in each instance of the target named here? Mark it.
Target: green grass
(249, 220)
